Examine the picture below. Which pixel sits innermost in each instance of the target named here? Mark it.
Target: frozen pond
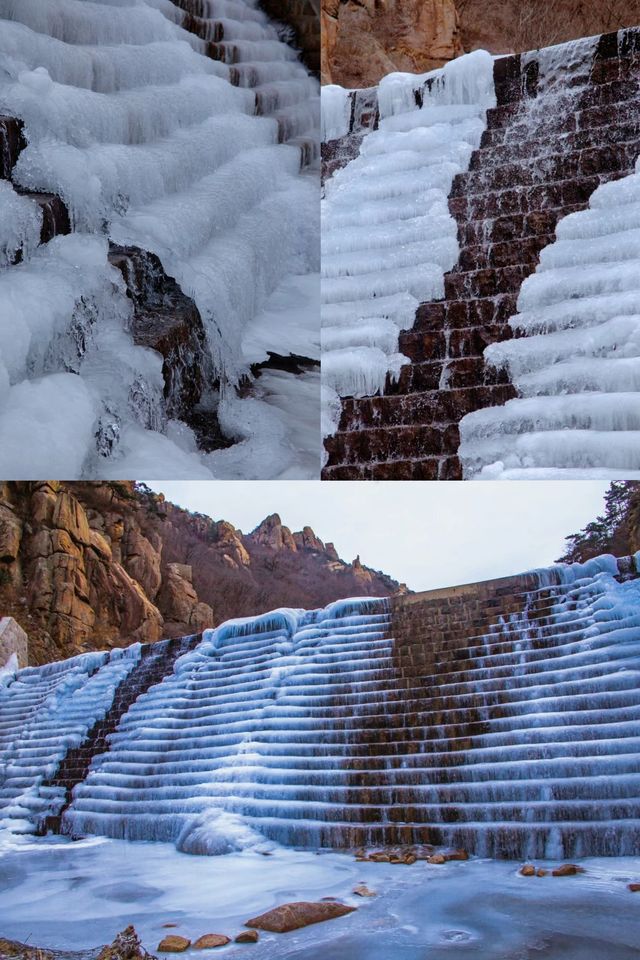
(78, 895)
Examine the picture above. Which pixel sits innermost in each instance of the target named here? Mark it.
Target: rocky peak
(272, 533)
(86, 566)
(307, 540)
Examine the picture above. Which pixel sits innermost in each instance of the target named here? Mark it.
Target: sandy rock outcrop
(90, 566)
(179, 600)
(272, 533)
(362, 40)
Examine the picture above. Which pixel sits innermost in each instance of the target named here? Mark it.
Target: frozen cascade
(44, 712)
(509, 734)
(577, 369)
(575, 361)
(387, 235)
(186, 144)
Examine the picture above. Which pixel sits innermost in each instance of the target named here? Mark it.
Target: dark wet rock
(168, 321)
(293, 916)
(12, 143)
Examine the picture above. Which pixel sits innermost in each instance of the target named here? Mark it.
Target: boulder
(633, 887)
(567, 870)
(209, 940)
(293, 916)
(528, 870)
(437, 858)
(248, 936)
(362, 890)
(174, 944)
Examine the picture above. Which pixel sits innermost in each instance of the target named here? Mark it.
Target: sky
(427, 535)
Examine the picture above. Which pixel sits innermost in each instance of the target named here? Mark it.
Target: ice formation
(150, 143)
(482, 908)
(307, 728)
(43, 712)
(576, 359)
(387, 235)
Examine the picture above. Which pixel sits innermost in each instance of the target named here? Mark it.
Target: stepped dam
(500, 717)
(480, 295)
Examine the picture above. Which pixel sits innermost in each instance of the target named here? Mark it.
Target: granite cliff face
(88, 566)
(362, 40)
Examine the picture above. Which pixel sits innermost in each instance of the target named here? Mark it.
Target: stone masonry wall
(424, 625)
(543, 154)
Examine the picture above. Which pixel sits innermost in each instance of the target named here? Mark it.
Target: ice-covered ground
(79, 895)
(151, 143)
(388, 237)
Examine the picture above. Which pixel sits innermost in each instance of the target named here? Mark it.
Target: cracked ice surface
(79, 895)
(148, 142)
(387, 235)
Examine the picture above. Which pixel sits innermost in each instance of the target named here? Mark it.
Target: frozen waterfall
(194, 138)
(509, 734)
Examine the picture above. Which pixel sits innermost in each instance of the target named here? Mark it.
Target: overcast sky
(427, 535)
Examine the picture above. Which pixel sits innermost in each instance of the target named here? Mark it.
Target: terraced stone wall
(548, 145)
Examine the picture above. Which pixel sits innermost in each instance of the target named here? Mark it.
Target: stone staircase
(552, 139)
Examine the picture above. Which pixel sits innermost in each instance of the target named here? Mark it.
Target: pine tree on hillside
(616, 531)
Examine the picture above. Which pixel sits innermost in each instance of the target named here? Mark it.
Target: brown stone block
(417, 377)
(422, 345)
(450, 469)
(429, 316)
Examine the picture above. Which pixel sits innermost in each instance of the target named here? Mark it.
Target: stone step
(546, 171)
(574, 142)
(514, 227)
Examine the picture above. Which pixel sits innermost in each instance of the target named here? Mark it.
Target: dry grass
(540, 24)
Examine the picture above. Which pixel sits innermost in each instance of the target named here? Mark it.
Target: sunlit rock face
(106, 564)
(499, 717)
(361, 42)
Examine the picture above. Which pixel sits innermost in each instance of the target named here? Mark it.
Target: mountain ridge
(94, 565)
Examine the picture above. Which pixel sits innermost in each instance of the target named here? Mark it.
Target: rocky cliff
(362, 40)
(88, 566)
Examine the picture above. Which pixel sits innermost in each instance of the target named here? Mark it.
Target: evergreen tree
(612, 532)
